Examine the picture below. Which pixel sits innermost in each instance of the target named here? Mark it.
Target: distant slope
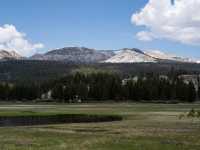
(75, 54)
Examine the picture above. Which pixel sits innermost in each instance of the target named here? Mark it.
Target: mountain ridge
(88, 55)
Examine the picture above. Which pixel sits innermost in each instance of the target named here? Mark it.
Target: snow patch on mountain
(130, 56)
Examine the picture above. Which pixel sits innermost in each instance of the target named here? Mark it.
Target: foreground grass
(145, 127)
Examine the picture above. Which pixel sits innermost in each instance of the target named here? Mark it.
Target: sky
(37, 26)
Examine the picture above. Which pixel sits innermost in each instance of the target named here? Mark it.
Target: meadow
(144, 127)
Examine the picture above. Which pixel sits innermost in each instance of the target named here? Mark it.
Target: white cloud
(13, 40)
(163, 20)
(145, 36)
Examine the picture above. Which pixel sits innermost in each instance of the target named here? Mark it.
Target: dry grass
(145, 127)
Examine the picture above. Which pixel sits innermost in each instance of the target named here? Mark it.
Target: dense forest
(104, 86)
(86, 84)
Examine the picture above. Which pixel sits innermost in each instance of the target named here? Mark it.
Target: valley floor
(145, 127)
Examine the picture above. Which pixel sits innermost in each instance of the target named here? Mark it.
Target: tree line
(109, 86)
(104, 86)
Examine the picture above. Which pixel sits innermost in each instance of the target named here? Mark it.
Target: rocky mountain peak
(9, 55)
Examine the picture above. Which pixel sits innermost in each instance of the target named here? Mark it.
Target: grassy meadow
(144, 127)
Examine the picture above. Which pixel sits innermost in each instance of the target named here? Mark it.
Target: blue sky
(100, 24)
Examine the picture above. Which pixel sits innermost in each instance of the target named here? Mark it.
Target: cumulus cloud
(145, 36)
(13, 40)
(177, 20)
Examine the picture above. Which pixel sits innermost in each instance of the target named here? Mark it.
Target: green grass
(145, 127)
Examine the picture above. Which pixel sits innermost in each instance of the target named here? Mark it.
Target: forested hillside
(26, 70)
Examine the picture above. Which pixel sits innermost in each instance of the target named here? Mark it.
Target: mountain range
(87, 55)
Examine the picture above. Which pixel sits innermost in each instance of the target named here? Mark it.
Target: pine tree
(191, 92)
(58, 92)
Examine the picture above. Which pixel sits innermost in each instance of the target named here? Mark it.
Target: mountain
(6, 55)
(75, 54)
(163, 56)
(130, 56)
(139, 56)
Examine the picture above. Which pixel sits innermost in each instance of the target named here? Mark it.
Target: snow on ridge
(130, 56)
